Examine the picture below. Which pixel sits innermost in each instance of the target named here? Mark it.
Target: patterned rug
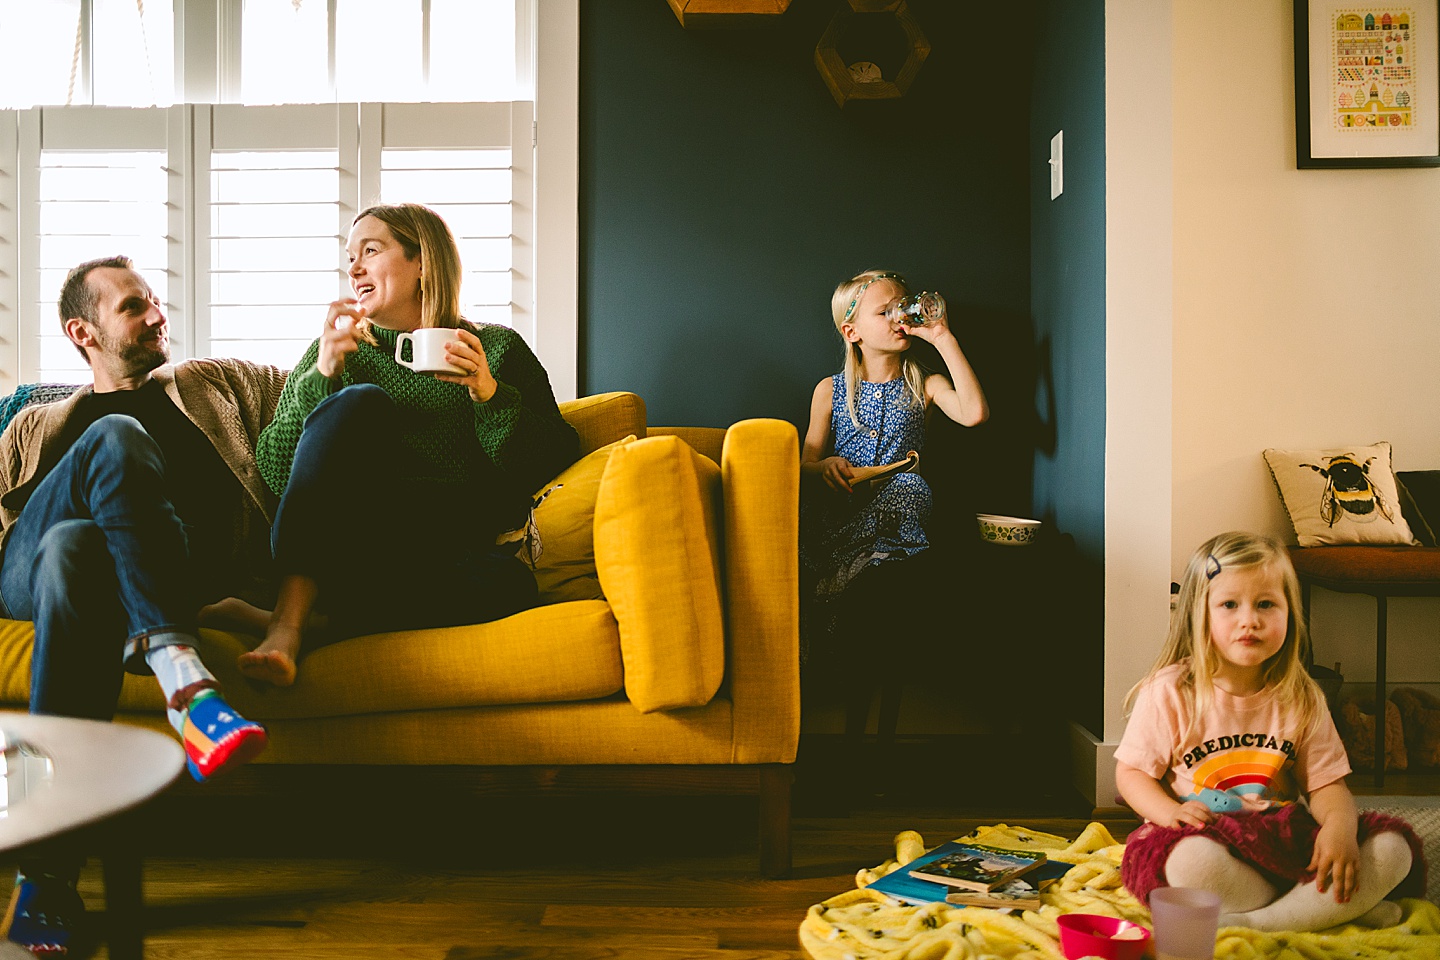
(864, 924)
(1423, 814)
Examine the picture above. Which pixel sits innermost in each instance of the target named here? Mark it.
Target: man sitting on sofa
(123, 508)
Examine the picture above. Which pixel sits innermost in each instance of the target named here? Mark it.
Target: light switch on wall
(1057, 164)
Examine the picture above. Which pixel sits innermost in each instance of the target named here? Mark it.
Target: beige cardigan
(229, 400)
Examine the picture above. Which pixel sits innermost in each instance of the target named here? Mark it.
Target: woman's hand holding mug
(466, 353)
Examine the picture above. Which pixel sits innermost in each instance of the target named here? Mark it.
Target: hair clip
(1212, 567)
(850, 310)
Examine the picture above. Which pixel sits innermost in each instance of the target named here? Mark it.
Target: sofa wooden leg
(775, 782)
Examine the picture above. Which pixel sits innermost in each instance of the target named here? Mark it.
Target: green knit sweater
(456, 443)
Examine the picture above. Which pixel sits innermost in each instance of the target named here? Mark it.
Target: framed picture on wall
(1367, 84)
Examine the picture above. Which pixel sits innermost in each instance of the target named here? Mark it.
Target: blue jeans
(99, 561)
(387, 551)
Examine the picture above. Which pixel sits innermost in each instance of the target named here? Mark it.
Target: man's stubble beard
(138, 357)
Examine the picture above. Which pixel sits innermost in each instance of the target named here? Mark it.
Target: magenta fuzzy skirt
(1279, 843)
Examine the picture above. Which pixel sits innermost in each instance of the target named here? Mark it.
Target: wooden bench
(1381, 572)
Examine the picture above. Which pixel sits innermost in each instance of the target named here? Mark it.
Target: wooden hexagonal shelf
(871, 50)
(725, 13)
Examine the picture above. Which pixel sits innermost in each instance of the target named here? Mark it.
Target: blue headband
(850, 310)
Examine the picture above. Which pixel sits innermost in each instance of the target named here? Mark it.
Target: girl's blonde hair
(843, 304)
(421, 232)
(1189, 639)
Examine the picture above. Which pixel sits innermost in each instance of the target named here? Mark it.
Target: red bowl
(1091, 935)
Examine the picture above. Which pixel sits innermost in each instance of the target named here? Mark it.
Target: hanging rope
(75, 57)
(145, 42)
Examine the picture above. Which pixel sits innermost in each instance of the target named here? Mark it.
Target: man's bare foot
(236, 615)
(274, 660)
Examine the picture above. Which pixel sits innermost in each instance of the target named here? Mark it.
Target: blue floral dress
(847, 534)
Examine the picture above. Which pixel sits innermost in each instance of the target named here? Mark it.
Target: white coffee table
(77, 776)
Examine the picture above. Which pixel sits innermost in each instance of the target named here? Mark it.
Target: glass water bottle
(916, 309)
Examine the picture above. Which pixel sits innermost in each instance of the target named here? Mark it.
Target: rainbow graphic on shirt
(1245, 778)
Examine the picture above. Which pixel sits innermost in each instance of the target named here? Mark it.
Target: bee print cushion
(1344, 495)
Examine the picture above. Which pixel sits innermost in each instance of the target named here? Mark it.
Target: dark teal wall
(723, 195)
(1067, 270)
(1067, 264)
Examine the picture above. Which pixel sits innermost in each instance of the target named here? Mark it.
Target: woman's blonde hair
(843, 304)
(421, 232)
(1189, 639)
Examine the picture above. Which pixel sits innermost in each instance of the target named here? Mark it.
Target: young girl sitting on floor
(1227, 733)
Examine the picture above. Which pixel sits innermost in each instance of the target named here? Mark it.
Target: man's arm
(14, 445)
(9, 471)
(257, 388)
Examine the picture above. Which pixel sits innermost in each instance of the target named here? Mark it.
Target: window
(121, 52)
(236, 213)
(273, 218)
(480, 179)
(471, 189)
(286, 182)
(434, 51)
(109, 52)
(81, 219)
(83, 182)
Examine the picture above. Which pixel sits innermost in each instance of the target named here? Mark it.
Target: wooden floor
(380, 875)
(400, 868)
(654, 900)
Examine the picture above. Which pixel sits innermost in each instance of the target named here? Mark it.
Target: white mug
(427, 350)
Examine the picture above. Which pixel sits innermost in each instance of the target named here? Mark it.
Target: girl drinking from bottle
(872, 413)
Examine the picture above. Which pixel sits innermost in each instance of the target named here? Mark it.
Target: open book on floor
(906, 888)
(974, 867)
(866, 474)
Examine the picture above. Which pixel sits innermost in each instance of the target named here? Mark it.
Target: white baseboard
(1092, 767)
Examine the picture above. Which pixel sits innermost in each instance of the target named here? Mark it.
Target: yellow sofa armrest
(760, 470)
(604, 418)
(708, 441)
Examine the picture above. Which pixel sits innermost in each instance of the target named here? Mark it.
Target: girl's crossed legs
(1259, 864)
(1249, 899)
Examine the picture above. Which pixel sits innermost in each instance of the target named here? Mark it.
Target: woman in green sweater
(394, 484)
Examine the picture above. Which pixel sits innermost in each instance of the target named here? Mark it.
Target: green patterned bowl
(1008, 531)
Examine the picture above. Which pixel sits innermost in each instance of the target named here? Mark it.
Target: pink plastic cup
(1091, 935)
(1186, 920)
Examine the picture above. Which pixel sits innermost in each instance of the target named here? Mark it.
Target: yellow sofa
(682, 678)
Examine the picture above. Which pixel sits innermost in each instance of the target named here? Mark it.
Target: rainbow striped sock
(216, 738)
(43, 914)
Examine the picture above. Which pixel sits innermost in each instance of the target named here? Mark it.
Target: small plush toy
(1420, 717)
(1357, 731)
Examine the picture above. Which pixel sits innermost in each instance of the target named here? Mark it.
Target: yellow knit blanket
(866, 925)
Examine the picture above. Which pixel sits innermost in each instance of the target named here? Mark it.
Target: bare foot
(270, 666)
(235, 614)
(274, 660)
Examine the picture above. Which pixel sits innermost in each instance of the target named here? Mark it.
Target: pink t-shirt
(1246, 753)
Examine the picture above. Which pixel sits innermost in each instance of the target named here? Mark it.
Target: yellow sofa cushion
(563, 652)
(565, 520)
(657, 554)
